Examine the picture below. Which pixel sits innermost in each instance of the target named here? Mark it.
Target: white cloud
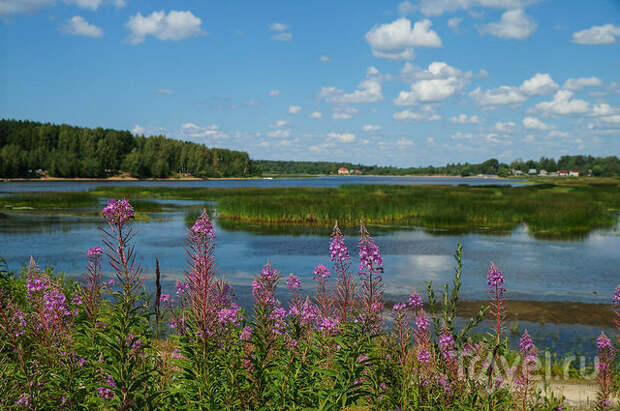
(163, 91)
(22, 6)
(119, 3)
(137, 130)
(341, 116)
(279, 124)
(536, 124)
(563, 104)
(176, 25)
(463, 119)
(576, 84)
(455, 22)
(342, 137)
(316, 114)
(506, 127)
(278, 27)
(404, 142)
(605, 34)
(86, 4)
(78, 26)
(274, 93)
(406, 8)
(514, 24)
(279, 133)
(615, 119)
(558, 133)
(282, 34)
(438, 7)
(438, 82)
(371, 127)
(396, 40)
(426, 114)
(538, 85)
(368, 91)
(324, 59)
(601, 110)
(462, 136)
(499, 96)
(195, 132)
(294, 109)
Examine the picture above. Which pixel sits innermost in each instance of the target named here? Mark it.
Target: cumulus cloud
(368, 91)
(576, 84)
(78, 26)
(463, 119)
(344, 113)
(176, 25)
(279, 133)
(324, 59)
(514, 24)
(438, 82)
(279, 124)
(282, 33)
(538, 85)
(536, 124)
(195, 132)
(86, 4)
(563, 104)
(23, 6)
(342, 137)
(396, 40)
(274, 93)
(615, 119)
(438, 7)
(294, 109)
(163, 91)
(605, 34)
(499, 96)
(506, 127)
(426, 114)
(316, 114)
(371, 127)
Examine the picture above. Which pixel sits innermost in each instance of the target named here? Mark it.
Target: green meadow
(549, 210)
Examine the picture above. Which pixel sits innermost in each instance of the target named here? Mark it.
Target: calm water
(333, 181)
(584, 270)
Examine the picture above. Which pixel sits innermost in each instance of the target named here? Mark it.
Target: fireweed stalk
(523, 382)
(90, 290)
(345, 296)
(605, 375)
(370, 270)
(322, 294)
(495, 282)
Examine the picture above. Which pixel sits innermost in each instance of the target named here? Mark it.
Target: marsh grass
(564, 209)
(49, 200)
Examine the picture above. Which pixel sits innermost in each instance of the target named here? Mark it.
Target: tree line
(597, 166)
(29, 149)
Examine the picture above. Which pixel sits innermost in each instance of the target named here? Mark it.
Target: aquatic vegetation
(549, 210)
(97, 345)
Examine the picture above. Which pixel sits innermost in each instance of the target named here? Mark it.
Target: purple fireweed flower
(370, 257)
(424, 356)
(293, 311)
(320, 272)
(447, 346)
(269, 273)
(229, 315)
(309, 313)
(399, 307)
(81, 362)
(36, 284)
(422, 322)
(118, 211)
(164, 298)
(24, 401)
(338, 248)
(616, 299)
(292, 283)
(602, 342)
(76, 300)
(105, 393)
(95, 251)
(203, 228)
(495, 280)
(444, 382)
(415, 301)
(525, 343)
(182, 288)
(329, 325)
(246, 334)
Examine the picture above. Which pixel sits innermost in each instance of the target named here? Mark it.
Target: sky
(413, 83)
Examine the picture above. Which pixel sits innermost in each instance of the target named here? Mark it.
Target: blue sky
(393, 83)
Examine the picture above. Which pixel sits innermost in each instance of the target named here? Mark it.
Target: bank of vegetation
(30, 149)
(560, 209)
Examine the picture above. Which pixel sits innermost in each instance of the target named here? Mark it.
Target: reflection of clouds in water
(414, 270)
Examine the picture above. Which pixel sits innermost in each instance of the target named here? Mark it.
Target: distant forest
(67, 151)
(30, 149)
(598, 166)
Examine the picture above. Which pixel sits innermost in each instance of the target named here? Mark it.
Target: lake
(577, 270)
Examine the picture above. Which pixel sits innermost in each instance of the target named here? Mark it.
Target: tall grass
(49, 200)
(548, 209)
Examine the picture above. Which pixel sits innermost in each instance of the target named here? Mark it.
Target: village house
(562, 173)
(343, 170)
(574, 173)
(532, 171)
